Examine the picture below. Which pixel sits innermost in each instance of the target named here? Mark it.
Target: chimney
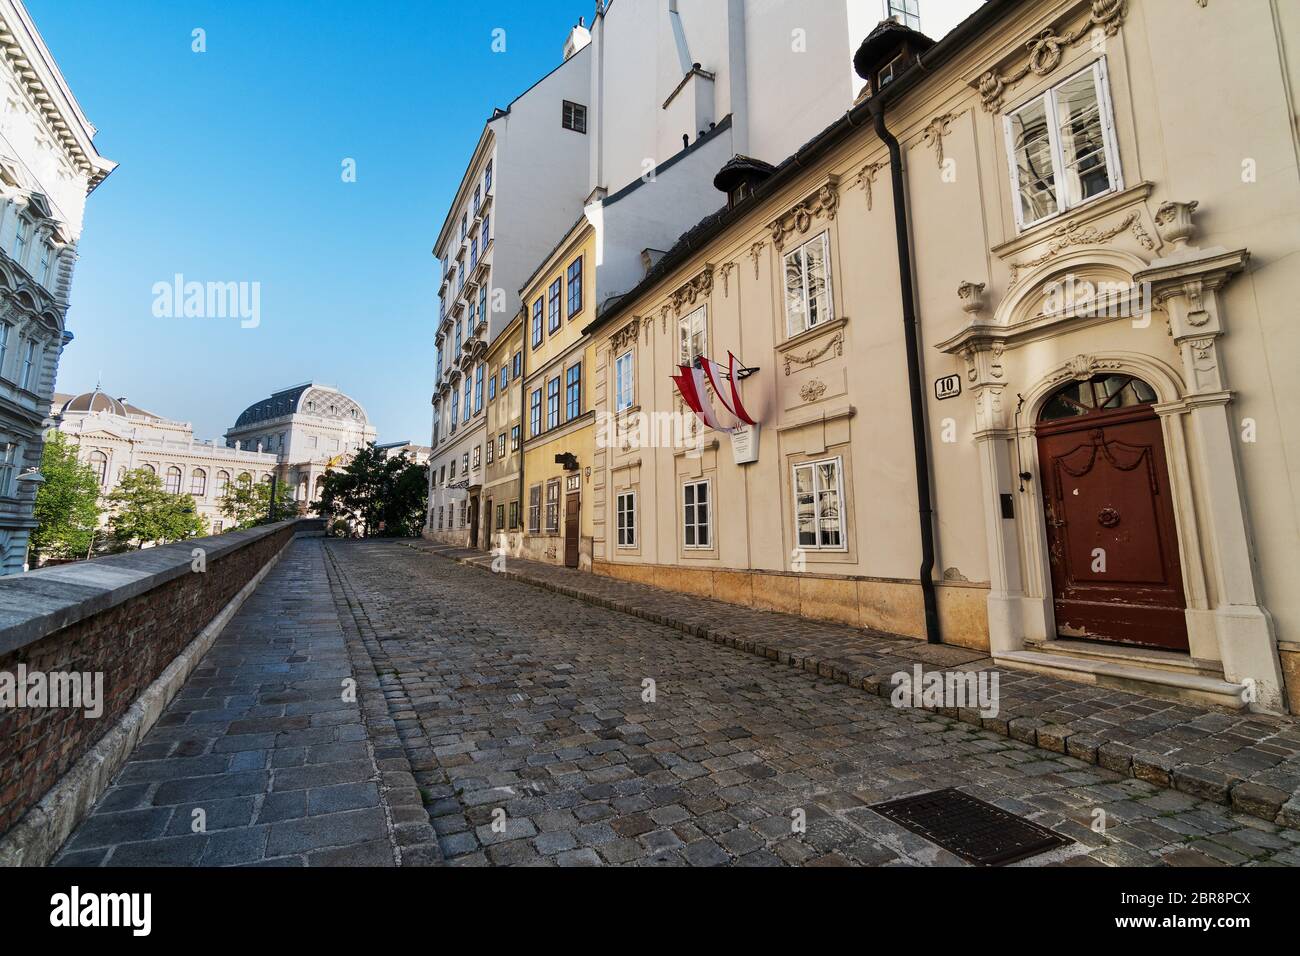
(579, 37)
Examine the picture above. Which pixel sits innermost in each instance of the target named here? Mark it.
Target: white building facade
(48, 165)
(310, 428)
(113, 437)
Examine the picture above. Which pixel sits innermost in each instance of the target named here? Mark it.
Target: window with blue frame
(535, 413)
(505, 377)
(492, 389)
(573, 392)
(482, 303)
(537, 323)
(553, 307)
(517, 366)
(487, 230)
(575, 287)
(468, 407)
(487, 177)
(460, 336)
(553, 403)
(455, 410)
(478, 389)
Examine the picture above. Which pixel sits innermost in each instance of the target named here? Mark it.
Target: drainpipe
(920, 445)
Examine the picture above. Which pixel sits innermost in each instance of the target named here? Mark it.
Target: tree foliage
(67, 504)
(375, 495)
(144, 513)
(249, 505)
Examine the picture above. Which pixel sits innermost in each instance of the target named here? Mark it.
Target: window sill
(808, 335)
(1094, 208)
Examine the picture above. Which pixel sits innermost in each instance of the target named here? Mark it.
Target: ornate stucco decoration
(824, 202)
(663, 318)
(835, 342)
(1083, 367)
(1046, 51)
(755, 253)
(867, 176)
(934, 133)
(1174, 222)
(812, 390)
(972, 297)
(725, 271)
(627, 335)
(648, 323)
(700, 287)
(1074, 233)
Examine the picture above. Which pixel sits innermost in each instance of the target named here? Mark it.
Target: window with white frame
(808, 285)
(697, 515)
(818, 505)
(624, 393)
(22, 239)
(173, 481)
(198, 482)
(28, 379)
(535, 509)
(99, 465)
(625, 518)
(692, 337)
(553, 506)
(1061, 147)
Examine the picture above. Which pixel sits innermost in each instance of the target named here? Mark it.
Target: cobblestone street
(485, 699)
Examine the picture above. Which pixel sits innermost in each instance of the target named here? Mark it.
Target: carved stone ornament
(836, 342)
(1083, 367)
(1073, 233)
(1174, 222)
(824, 202)
(701, 287)
(755, 253)
(972, 296)
(933, 135)
(812, 390)
(867, 176)
(1047, 49)
(627, 335)
(725, 271)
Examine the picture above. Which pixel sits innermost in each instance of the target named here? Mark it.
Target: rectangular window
(464, 225)
(553, 403)
(625, 518)
(623, 391)
(697, 515)
(492, 388)
(691, 336)
(553, 506)
(575, 117)
(5, 329)
(43, 273)
(575, 287)
(22, 237)
(501, 517)
(487, 231)
(464, 464)
(537, 322)
(441, 511)
(501, 445)
(482, 303)
(478, 389)
(818, 514)
(514, 515)
(505, 378)
(514, 434)
(905, 12)
(807, 285)
(573, 392)
(535, 413)
(491, 450)
(553, 306)
(535, 509)
(487, 177)
(468, 409)
(1061, 147)
(28, 379)
(473, 252)
(517, 366)
(8, 464)
(478, 457)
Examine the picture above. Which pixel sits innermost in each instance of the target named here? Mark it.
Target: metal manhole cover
(976, 831)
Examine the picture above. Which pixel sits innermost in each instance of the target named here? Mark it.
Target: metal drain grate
(976, 831)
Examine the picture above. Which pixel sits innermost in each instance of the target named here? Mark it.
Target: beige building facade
(1087, 464)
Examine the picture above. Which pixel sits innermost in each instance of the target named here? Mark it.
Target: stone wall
(126, 617)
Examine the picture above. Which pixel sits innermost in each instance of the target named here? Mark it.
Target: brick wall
(130, 642)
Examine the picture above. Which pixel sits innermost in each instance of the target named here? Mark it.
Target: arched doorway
(1111, 537)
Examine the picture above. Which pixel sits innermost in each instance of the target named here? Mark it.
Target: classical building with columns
(114, 436)
(48, 165)
(310, 428)
(1016, 338)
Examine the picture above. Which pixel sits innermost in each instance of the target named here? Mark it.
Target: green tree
(143, 513)
(67, 504)
(376, 495)
(248, 505)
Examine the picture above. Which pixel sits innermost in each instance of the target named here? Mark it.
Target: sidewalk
(1250, 762)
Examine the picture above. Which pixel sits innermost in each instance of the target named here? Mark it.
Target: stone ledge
(38, 603)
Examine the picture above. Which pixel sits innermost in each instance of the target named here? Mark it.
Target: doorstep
(1248, 761)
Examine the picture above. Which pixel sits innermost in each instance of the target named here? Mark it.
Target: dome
(309, 398)
(95, 403)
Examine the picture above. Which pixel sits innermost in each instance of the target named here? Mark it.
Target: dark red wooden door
(1112, 541)
(571, 511)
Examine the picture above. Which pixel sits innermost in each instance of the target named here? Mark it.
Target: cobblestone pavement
(262, 742)
(1249, 761)
(521, 705)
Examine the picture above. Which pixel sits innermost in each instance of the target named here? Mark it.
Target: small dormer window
(741, 193)
(892, 69)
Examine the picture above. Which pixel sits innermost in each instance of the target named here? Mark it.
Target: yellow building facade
(502, 521)
(558, 422)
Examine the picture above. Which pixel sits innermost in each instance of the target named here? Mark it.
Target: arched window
(245, 480)
(99, 465)
(198, 482)
(1101, 393)
(223, 483)
(320, 488)
(149, 468)
(173, 481)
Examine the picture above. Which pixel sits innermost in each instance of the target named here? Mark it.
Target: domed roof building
(93, 403)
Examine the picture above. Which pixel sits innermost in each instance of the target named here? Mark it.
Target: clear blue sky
(230, 171)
